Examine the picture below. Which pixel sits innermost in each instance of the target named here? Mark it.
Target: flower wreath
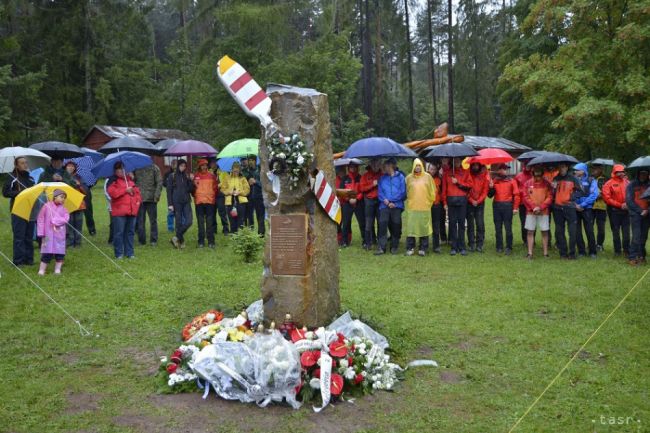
(290, 155)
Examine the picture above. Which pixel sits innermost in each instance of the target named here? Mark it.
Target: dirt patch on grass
(81, 402)
(216, 414)
(141, 423)
(146, 361)
(451, 377)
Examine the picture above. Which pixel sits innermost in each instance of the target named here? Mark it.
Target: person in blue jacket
(391, 195)
(584, 207)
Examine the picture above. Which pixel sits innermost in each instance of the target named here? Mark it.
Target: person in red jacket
(125, 203)
(456, 184)
(476, 207)
(506, 195)
(619, 217)
(436, 208)
(368, 187)
(341, 172)
(537, 196)
(522, 178)
(352, 205)
(205, 197)
(566, 189)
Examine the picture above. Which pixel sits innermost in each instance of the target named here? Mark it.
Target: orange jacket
(367, 185)
(505, 189)
(566, 189)
(537, 194)
(206, 188)
(480, 186)
(614, 192)
(460, 189)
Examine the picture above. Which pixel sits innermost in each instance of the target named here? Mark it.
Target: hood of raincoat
(417, 162)
(582, 167)
(616, 168)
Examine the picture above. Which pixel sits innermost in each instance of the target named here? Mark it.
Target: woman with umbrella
(23, 230)
(180, 187)
(638, 208)
(125, 203)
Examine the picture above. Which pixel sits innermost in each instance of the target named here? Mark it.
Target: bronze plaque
(289, 244)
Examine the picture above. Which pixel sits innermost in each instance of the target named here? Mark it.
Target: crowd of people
(578, 200)
(436, 203)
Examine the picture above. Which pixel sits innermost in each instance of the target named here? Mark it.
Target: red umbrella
(491, 156)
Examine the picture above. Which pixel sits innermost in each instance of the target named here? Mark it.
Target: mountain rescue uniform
(368, 186)
(351, 181)
(205, 197)
(619, 218)
(255, 207)
(639, 216)
(506, 200)
(150, 182)
(108, 207)
(436, 211)
(454, 197)
(537, 194)
(476, 209)
(236, 190)
(338, 184)
(567, 189)
(600, 212)
(179, 190)
(23, 231)
(420, 195)
(391, 194)
(585, 216)
(522, 179)
(124, 210)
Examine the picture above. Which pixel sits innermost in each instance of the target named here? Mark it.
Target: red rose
(309, 358)
(316, 373)
(177, 357)
(358, 379)
(341, 337)
(336, 385)
(171, 368)
(338, 349)
(350, 361)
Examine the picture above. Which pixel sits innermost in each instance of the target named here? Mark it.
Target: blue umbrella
(36, 174)
(376, 147)
(225, 164)
(84, 168)
(131, 161)
(93, 154)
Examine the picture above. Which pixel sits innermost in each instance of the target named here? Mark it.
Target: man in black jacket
(255, 208)
(23, 231)
(180, 187)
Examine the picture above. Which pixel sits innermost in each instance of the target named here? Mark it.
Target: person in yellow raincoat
(420, 195)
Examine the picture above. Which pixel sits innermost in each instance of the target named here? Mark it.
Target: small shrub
(247, 243)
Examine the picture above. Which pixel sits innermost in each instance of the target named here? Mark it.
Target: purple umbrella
(191, 148)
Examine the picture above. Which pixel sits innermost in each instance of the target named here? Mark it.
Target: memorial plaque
(289, 244)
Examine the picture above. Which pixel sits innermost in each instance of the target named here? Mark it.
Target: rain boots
(42, 268)
(57, 267)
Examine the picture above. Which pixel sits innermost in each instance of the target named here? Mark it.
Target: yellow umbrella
(25, 201)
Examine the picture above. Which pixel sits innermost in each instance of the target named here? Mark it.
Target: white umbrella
(35, 158)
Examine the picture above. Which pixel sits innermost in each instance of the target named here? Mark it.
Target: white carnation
(315, 383)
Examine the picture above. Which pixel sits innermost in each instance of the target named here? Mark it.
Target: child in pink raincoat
(51, 228)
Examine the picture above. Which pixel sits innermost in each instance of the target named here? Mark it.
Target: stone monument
(301, 263)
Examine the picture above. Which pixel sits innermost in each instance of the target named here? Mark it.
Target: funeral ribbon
(322, 342)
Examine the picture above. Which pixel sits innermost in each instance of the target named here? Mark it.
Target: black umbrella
(128, 143)
(642, 162)
(553, 158)
(526, 156)
(602, 161)
(164, 145)
(449, 150)
(58, 149)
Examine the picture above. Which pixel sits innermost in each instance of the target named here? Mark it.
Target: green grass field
(500, 327)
